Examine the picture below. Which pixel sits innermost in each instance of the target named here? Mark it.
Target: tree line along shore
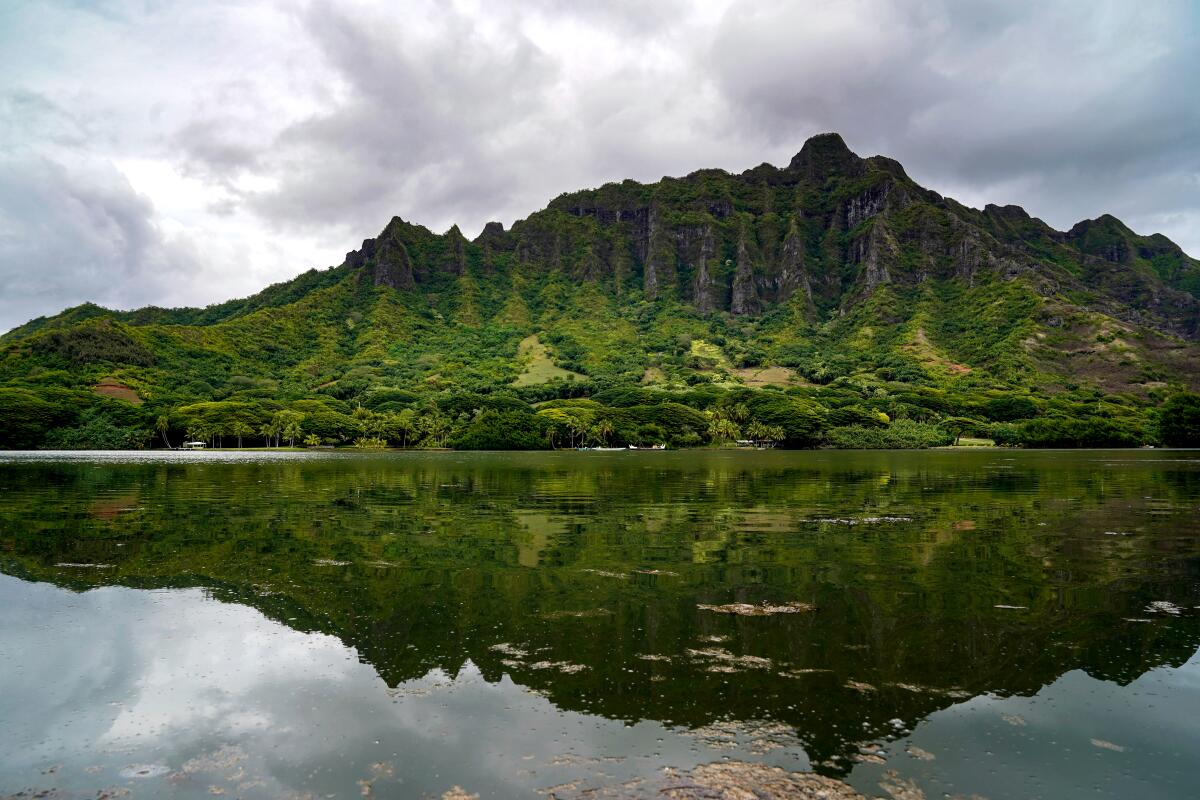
(841, 415)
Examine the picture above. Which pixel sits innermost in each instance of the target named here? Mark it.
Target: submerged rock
(738, 780)
(588, 612)
(144, 771)
(1107, 745)
(859, 686)
(717, 656)
(755, 736)
(760, 610)
(900, 788)
(920, 753)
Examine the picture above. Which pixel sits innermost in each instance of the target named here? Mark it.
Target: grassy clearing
(927, 354)
(539, 368)
(757, 377)
(653, 375)
(709, 355)
(117, 391)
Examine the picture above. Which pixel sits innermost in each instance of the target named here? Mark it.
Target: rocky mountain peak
(490, 231)
(1011, 212)
(824, 155)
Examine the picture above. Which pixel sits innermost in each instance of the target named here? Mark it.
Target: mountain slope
(834, 272)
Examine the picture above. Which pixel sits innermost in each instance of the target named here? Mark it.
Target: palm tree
(604, 429)
(239, 428)
(578, 427)
(436, 428)
(377, 425)
(291, 430)
(723, 430)
(312, 440)
(757, 431)
(406, 422)
(163, 424)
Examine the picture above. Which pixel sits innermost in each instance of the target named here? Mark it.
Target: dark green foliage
(554, 391)
(681, 423)
(503, 430)
(1080, 432)
(327, 424)
(1009, 408)
(26, 417)
(632, 396)
(454, 405)
(98, 431)
(93, 342)
(902, 434)
(383, 395)
(1005, 434)
(1179, 420)
(855, 415)
(802, 421)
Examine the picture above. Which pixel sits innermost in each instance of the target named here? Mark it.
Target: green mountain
(811, 298)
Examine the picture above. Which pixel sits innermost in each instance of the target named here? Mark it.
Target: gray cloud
(1072, 111)
(69, 235)
(185, 153)
(416, 130)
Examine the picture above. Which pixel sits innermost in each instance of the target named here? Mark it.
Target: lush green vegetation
(844, 414)
(1179, 421)
(830, 303)
(903, 434)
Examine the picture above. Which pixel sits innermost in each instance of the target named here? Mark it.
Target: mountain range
(832, 271)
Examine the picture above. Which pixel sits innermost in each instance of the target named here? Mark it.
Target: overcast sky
(183, 153)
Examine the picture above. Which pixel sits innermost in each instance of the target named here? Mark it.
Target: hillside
(823, 302)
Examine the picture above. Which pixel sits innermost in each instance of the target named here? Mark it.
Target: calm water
(1001, 624)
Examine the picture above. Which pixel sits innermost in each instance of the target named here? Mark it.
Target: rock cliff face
(823, 234)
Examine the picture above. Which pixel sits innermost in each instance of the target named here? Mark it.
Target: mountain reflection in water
(824, 611)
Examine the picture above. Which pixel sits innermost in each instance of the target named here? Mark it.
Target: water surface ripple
(991, 623)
